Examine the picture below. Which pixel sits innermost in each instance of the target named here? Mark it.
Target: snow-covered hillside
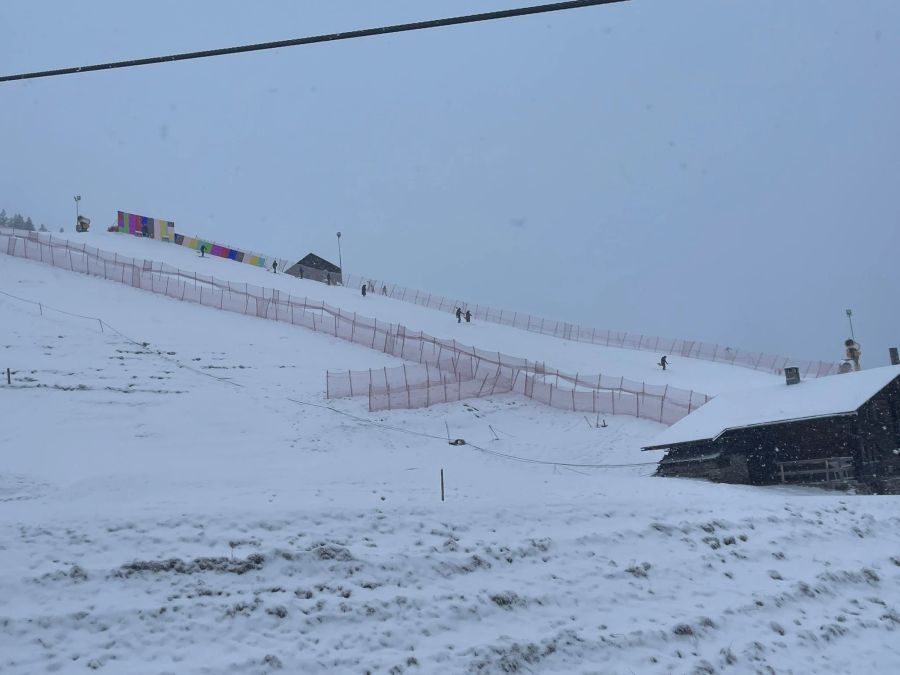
(708, 377)
(177, 496)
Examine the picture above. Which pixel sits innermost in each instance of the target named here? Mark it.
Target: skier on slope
(468, 316)
(458, 315)
(664, 361)
(274, 267)
(364, 288)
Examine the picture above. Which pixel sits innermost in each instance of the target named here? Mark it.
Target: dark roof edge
(751, 426)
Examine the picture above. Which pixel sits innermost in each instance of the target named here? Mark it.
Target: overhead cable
(314, 39)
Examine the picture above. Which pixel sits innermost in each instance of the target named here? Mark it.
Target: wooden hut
(839, 430)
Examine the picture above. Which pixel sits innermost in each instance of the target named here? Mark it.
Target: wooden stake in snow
(442, 485)
(8, 377)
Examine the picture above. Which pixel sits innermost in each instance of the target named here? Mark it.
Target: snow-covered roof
(781, 402)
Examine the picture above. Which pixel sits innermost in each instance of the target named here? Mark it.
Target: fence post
(408, 394)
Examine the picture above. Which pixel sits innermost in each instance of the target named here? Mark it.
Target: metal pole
(340, 260)
(850, 319)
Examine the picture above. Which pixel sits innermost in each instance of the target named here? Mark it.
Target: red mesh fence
(448, 371)
(420, 386)
(569, 331)
(560, 329)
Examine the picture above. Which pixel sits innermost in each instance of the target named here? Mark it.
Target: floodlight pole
(340, 261)
(850, 319)
(77, 212)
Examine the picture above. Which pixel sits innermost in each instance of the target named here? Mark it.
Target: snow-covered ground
(187, 501)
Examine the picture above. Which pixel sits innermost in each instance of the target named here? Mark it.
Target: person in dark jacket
(202, 250)
(364, 287)
(274, 267)
(468, 316)
(664, 362)
(458, 315)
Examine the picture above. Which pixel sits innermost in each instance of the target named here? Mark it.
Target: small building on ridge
(316, 268)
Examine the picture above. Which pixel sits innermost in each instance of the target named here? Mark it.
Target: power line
(331, 37)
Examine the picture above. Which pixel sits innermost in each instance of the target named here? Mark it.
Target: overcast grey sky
(725, 171)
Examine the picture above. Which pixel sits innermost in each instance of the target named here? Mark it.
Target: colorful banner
(164, 230)
(221, 251)
(142, 226)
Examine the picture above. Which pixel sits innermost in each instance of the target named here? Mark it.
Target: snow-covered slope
(574, 357)
(179, 497)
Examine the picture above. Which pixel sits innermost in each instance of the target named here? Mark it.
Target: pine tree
(42, 228)
(17, 222)
(29, 225)
(4, 221)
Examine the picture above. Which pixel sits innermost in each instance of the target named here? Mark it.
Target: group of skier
(460, 315)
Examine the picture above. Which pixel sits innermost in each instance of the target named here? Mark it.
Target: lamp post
(340, 261)
(77, 212)
(850, 319)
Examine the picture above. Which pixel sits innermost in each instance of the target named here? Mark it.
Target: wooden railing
(829, 470)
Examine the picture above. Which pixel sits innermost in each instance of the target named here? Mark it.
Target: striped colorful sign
(131, 223)
(221, 251)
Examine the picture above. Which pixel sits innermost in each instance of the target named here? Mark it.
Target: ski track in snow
(156, 520)
(550, 589)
